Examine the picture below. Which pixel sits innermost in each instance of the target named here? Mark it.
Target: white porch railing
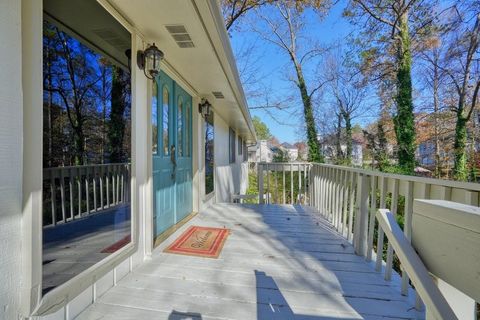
(77, 191)
(283, 183)
(350, 198)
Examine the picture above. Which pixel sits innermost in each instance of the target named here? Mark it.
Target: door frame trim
(167, 233)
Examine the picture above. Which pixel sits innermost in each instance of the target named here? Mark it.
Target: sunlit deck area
(279, 262)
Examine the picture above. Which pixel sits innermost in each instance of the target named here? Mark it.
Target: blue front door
(172, 156)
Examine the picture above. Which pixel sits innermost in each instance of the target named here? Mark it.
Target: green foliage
(460, 170)
(116, 130)
(263, 132)
(404, 120)
(281, 156)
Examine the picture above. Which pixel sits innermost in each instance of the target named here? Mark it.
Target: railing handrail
(412, 264)
(76, 191)
(439, 182)
(349, 198)
(87, 166)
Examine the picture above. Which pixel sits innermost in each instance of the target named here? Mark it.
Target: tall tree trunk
(435, 119)
(49, 112)
(79, 144)
(348, 137)
(460, 166)
(314, 148)
(117, 122)
(338, 140)
(404, 121)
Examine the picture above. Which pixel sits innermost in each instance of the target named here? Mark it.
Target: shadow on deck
(280, 262)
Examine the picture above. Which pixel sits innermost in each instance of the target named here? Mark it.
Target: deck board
(280, 262)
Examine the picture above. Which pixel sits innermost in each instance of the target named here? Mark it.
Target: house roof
(287, 145)
(202, 69)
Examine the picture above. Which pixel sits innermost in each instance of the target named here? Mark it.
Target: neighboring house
(261, 152)
(62, 247)
(302, 150)
(291, 151)
(330, 150)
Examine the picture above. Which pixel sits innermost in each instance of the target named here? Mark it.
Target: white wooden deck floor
(280, 262)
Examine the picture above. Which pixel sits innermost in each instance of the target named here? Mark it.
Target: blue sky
(272, 65)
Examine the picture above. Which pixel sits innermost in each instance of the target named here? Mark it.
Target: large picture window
(209, 154)
(232, 150)
(86, 139)
(240, 146)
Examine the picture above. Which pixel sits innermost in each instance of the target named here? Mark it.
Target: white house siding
(230, 178)
(11, 126)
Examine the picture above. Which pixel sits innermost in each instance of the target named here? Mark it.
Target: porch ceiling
(208, 66)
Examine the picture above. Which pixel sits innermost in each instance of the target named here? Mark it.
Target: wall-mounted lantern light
(204, 108)
(149, 61)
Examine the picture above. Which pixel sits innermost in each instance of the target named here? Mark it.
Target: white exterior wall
(10, 158)
(20, 175)
(292, 154)
(230, 178)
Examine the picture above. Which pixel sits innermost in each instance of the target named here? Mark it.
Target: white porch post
(141, 201)
(31, 72)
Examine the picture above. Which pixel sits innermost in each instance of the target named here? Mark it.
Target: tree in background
(117, 123)
(86, 103)
(389, 31)
(263, 132)
(349, 93)
(461, 63)
(233, 10)
(377, 144)
(283, 27)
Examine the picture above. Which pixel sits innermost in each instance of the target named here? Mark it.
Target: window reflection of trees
(86, 156)
(209, 155)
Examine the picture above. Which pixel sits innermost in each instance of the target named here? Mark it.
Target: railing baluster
(79, 187)
(62, 195)
(54, 198)
(107, 181)
(101, 187)
(351, 205)
(393, 210)
(118, 185)
(345, 203)
(305, 184)
(407, 229)
(291, 184)
(70, 186)
(122, 185)
(260, 183)
(268, 183)
(299, 197)
(87, 190)
(373, 211)
(284, 185)
(383, 195)
(94, 188)
(361, 216)
(276, 184)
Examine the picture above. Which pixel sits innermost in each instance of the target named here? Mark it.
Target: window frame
(240, 146)
(232, 151)
(36, 303)
(212, 124)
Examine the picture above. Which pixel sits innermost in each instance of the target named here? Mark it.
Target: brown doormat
(200, 241)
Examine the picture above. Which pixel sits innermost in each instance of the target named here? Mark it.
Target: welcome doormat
(200, 241)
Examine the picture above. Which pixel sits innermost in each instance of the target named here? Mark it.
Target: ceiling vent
(218, 94)
(180, 35)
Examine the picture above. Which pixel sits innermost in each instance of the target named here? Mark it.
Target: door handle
(173, 160)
